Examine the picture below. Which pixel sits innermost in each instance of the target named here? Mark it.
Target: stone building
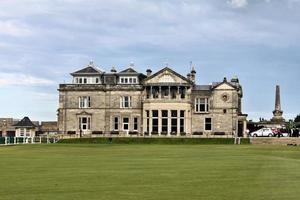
(162, 103)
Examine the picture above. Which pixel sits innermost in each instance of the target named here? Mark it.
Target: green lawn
(91, 171)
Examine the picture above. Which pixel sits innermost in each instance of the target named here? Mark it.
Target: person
(296, 132)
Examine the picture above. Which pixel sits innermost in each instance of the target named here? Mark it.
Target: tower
(277, 113)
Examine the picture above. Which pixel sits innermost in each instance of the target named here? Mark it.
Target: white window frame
(128, 80)
(198, 104)
(87, 124)
(22, 132)
(211, 123)
(84, 102)
(87, 80)
(125, 123)
(123, 101)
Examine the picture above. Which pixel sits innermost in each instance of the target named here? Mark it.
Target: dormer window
(128, 80)
(86, 80)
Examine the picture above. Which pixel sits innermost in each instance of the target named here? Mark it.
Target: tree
(297, 119)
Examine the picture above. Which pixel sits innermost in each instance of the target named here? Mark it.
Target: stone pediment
(167, 76)
(224, 86)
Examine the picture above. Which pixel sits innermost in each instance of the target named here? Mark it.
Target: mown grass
(109, 171)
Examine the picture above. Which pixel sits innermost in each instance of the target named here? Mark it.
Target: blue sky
(42, 41)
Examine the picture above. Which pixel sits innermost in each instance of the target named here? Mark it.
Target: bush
(219, 133)
(164, 133)
(114, 132)
(153, 141)
(133, 133)
(154, 133)
(197, 133)
(71, 132)
(182, 133)
(97, 132)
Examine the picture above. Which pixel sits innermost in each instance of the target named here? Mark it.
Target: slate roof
(90, 69)
(87, 70)
(202, 87)
(25, 122)
(128, 70)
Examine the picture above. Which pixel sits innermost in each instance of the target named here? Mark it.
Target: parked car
(264, 132)
(280, 132)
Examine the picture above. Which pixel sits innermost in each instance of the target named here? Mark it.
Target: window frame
(125, 123)
(208, 123)
(85, 102)
(126, 102)
(87, 124)
(198, 105)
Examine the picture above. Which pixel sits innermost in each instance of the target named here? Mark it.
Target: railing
(28, 140)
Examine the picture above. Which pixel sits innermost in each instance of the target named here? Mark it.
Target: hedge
(152, 141)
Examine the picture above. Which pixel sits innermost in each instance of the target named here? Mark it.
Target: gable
(87, 70)
(129, 70)
(166, 75)
(224, 86)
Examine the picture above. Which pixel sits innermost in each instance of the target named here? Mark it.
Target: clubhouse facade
(164, 103)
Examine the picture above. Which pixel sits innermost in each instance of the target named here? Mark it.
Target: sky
(43, 41)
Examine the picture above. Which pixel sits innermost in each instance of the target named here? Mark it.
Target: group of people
(294, 132)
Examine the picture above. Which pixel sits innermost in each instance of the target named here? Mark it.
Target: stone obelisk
(277, 113)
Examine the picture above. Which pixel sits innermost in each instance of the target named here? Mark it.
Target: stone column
(169, 122)
(151, 92)
(169, 92)
(245, 128)
(159, 93)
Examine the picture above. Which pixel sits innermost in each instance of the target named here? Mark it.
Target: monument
(277, 113)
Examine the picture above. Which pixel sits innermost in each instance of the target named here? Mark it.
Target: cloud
(19, 79)
(14, 28)
(238, 3)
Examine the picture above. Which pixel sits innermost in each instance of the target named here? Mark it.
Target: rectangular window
(125, 124)
(135, 124)
(182, 121)
(27, 132)
(164, 121)
(174, 113)
(174, 121)
(134, 80)
(208, 124)
(22, 132)
(126, 102)
(84, 123)
(85, 102)
(148, 120)
(155, 121)
(201, 105)
(116, 123)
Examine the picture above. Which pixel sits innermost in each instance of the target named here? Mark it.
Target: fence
(27, 140)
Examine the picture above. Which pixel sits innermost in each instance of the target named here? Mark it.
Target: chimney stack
(193, 75)
(149, 72)
(113, 70)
